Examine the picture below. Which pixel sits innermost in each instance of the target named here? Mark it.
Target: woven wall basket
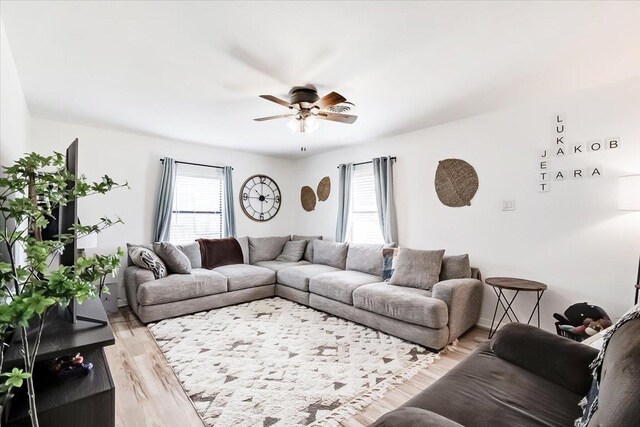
(307, 198)
(456, 182)
(324, 189)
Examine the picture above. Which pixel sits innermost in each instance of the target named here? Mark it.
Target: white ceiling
(192, 71)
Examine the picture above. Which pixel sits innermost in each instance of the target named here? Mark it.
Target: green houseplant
(30, 189)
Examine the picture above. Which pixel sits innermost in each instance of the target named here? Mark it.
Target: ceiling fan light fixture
(310, 124)
(294, 124)
(306, 125)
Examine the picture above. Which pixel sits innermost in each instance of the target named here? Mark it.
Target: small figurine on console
(69, 366)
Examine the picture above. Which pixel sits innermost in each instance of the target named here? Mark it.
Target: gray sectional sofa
(340, 279)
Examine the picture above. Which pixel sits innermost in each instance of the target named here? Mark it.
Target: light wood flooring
(149, 394)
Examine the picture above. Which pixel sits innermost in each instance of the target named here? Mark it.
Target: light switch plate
(508, 205)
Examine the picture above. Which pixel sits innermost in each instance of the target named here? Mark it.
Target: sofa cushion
(413, 417)
(308, 251)
(244, 245)
(243, 276)
(402, 303)
(146, 258)
(417, 268)
(339, 285)
(265, 248)
(619, 386)
(280, 265)
(192, 251)
(177, 287)
(365, 258)
(175, 260)
(298, 277)
(455, 267)
(292, 251)
(219, 252)
(486, 391)
(333, 254)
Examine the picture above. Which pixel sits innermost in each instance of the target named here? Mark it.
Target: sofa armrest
(413, 417)
(555, 358)
(135, 276)
(464, 300)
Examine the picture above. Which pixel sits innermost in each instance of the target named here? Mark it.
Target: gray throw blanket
(590, 403)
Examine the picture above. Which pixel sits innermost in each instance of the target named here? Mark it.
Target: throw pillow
(266, 248)
(308, 252)
(130, 246)
(219, 252)
(389, 259)
(366, 258)
(293, 251)
(244, 244)
(192, 251)
(145, 258)
(417, 268)
(455, 267)
(333, 254)
(175, 260)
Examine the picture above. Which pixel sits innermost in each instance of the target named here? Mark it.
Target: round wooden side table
(499, 285)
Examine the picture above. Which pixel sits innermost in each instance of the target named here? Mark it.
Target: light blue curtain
(344, 200)
(229, 216)
(383, 180)
(164, 202)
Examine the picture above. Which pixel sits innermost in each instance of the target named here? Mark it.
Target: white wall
(136, 159)
(572, 238)
(14, 114)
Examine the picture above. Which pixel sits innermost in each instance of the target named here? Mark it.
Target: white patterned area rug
(273, 362)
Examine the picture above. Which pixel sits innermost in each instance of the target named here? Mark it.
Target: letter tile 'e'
(543, 166)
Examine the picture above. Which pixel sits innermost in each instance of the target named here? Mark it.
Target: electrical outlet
(508, 205)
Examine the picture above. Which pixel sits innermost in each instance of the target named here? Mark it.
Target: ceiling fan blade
(281, 116)
(276, 100)
(328, 100)
(336, 117)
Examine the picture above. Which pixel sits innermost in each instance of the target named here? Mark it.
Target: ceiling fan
(307, 107)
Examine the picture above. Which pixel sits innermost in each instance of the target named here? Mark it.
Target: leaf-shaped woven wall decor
(456, 182)
(307, 198)
(324, 189)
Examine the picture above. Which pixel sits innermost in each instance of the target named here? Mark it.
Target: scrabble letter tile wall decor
(559, 150)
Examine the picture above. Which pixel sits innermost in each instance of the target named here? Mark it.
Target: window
(197, 204)
(364, 226)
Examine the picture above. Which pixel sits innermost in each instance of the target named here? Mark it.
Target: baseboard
(485, 324)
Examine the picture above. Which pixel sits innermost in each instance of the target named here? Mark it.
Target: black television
(69, 213)
(69, 217)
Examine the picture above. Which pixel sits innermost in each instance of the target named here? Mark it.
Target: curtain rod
(196, 164)
(393, 159)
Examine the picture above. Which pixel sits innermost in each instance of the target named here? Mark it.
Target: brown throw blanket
(219, 252)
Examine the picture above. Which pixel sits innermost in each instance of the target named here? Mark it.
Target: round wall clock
(260, 198)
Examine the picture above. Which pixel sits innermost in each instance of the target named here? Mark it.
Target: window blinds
(197, 204)
(364, 226)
